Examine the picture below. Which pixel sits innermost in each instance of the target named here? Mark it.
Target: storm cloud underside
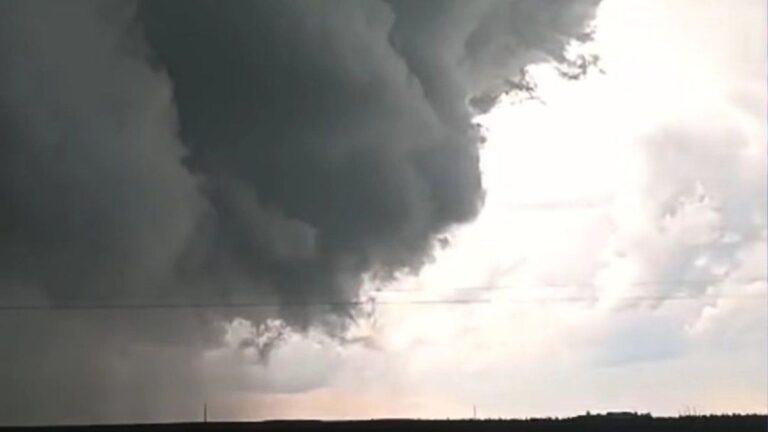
(205, 151)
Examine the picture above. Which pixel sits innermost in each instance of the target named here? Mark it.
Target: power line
(226, 305)
(637, 284)
(266, 303)
(355, 303)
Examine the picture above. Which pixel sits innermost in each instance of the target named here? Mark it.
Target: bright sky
(648, 180)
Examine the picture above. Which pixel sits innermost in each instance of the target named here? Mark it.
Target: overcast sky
(600, 246)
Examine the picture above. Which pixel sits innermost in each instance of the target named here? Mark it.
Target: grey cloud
(705, 198)
(651, 342)
(225, 150)
(93, 189)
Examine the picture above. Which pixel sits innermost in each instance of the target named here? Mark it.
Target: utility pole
(205, 412)
(474, 411)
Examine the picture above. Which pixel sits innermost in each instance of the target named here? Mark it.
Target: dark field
(595, 423)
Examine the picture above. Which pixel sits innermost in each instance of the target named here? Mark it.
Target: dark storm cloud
(343, 123)
(217, 150)
(329, 134)
(92, 189)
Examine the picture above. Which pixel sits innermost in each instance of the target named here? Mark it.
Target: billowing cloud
(197, 151)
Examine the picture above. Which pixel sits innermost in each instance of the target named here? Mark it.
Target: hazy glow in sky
(651, 172)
